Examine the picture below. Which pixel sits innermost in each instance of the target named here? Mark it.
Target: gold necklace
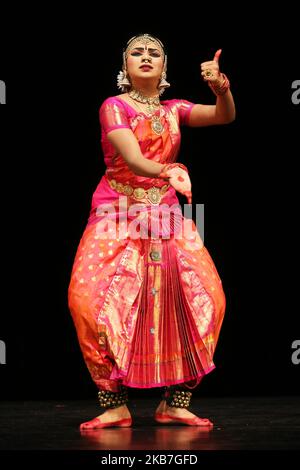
(152, 105)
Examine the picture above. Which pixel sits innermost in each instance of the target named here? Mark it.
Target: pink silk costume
(143, 321)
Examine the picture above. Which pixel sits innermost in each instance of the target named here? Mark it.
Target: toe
(203, 422)
(84, 426)
(90, 424)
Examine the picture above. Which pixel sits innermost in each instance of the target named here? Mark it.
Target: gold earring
(163, 83)
(122, 81)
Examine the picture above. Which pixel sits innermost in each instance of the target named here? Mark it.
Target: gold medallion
(154, 195)
(156, 125)
(139, 193)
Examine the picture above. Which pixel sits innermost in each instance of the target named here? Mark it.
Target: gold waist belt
(153, 194)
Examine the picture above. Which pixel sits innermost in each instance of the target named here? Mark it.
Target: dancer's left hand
(210, 70)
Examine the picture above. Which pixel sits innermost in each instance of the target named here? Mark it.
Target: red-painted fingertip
(217, 55)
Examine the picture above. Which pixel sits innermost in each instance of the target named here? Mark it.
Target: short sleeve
(184, 111)
(113, 115)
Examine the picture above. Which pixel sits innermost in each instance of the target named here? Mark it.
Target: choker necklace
(152, 105)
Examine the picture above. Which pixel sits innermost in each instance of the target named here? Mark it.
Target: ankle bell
(108, 399)
(178, 397)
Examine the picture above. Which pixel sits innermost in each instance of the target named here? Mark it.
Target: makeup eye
(152, 54)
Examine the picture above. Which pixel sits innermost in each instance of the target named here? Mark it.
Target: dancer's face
(145, 61)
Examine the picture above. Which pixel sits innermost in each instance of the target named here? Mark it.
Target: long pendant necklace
(152, 105)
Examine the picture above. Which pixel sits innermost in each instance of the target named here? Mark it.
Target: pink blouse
(115, 113)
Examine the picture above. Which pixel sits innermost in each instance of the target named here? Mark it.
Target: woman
(145, 296)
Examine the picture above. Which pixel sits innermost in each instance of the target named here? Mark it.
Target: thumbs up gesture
(210, 70)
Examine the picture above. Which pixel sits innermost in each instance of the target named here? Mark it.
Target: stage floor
(240, 423)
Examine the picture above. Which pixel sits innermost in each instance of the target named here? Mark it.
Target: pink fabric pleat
(167, 349)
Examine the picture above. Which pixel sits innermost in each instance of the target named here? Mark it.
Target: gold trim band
(153, 194)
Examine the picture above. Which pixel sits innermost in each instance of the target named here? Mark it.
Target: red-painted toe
(97, 424)
(165, 418)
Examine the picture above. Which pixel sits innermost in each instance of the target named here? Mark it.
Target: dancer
(145, 296)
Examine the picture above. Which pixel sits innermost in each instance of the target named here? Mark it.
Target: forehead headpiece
(145, 39)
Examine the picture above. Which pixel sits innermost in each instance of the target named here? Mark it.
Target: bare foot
(162, 407)
(110, 416)
(183, 413)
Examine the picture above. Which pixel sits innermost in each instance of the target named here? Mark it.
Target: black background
(58, 68)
